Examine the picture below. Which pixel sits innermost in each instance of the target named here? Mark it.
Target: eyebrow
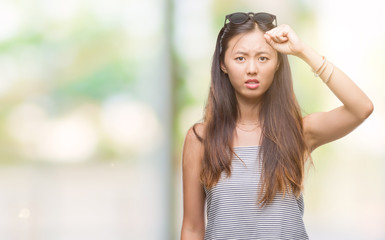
(245, 53)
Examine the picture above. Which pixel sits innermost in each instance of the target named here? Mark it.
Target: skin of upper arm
(193, 225)
(323, 127)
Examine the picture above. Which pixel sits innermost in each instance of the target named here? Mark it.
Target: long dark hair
(283, 149)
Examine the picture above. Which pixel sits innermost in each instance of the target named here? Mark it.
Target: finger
(274, 37)
(279, 38)
(272, 32)
(269, 40)
(278, 34)
(282, 38)
(281, 32)
(274, 29)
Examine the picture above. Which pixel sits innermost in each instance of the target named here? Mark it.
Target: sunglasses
(260, 18)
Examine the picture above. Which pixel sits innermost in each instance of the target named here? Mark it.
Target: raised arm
(193, 226)
(324, 127)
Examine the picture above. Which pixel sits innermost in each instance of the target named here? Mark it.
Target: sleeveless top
(232, 211)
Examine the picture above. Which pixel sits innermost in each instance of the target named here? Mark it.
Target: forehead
(250, 42)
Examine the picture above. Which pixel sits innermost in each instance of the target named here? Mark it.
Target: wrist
(310, 56)
(305, 53)
(302, 50)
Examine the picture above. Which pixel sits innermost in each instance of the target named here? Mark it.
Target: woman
(246, 159)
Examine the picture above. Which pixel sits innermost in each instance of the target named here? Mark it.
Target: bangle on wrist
(331, 72)
(316, 73)
(323, 69)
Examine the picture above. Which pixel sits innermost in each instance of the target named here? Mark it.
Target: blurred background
(96, 97)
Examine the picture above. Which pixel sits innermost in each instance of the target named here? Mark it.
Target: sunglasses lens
(263, 18)
(238, 18)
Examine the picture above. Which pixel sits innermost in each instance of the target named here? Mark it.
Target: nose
(252, 67)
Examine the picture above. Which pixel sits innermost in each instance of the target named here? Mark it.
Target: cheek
(272, 73)
(234, 71)
(269, 72)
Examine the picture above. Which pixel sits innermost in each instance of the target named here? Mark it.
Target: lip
(252, 83)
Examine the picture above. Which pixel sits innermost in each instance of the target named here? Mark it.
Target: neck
(248, 111)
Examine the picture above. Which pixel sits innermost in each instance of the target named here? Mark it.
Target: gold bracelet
(316, 74)
(323, 69)
(331, 72)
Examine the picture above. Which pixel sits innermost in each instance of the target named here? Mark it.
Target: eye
(240, 59)
(263, 59)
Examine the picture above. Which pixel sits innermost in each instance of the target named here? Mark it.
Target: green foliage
(97, 84)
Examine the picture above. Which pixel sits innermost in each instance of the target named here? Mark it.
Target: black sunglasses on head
(260, 18)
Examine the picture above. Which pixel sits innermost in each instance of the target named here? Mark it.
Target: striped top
(232, 211)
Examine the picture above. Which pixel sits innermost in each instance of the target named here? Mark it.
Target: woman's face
(250, 63)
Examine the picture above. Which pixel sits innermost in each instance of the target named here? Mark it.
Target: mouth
(252, 83)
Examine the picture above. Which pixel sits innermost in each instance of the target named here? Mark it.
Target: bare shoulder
(195, 134)
(198, 129)
(193, 142)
